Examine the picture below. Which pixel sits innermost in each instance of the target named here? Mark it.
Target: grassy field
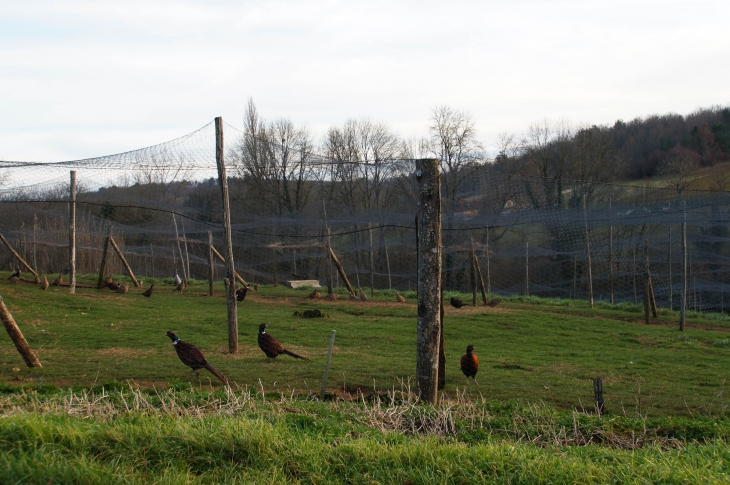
(114, 404)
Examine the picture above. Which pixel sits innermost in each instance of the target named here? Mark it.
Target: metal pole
(327, 366)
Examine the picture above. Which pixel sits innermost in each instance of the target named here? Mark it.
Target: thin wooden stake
(428, 178)
(35, 223)
(341, 271)
(124, 262)
(683, 306)
(327, 366)
(387, 262)
(104, 250)
(527, 269)
(588, 255)
(72, 235)
(647, 305)
(489, 276)
(17, 337)
(223, 260)
(211, 263)
(598, 395)
(185, 245)
(669, 267)
(372, 264)
(228, 238)
(179, 251)
(610, 251)
(17, 256)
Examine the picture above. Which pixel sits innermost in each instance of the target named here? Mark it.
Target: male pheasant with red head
(192, 357)
(470, 364)
(273, 347)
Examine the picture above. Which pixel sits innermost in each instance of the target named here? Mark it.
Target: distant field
(532, 350)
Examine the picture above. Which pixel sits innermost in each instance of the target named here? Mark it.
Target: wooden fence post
(72, 235)
(179, 251)
(588, 255)
(210, 263)
(327, 366)
(683, 306)
(527, 269)
(17, 337)
(598, 395)
(669, 268)
(341, 270)
(610, 251)
(230, 269)
(489, 276)
(124, 262)
(428, 179)
(17, 256)
(223, 260)
(647, 296)
(104, 250)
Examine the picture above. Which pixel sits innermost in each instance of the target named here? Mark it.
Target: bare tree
(677, 167)
(547, 153)
(452, 139)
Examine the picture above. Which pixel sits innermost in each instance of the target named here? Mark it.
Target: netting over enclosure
(528, 233)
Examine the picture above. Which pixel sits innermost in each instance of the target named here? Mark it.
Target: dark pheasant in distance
(112, 286)
(148, 293)
(470, 363)
(192, 357)
(241, 292)
(494, 303)
(16, 274)
(273, 347)
(58, 281)
(456, 303)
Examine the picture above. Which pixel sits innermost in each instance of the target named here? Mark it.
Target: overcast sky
(81, 79)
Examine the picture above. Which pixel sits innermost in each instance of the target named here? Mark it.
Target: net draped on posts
(279, 227)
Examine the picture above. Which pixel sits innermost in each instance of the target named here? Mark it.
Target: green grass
(535, 350)
(113, 404)
(185, 435)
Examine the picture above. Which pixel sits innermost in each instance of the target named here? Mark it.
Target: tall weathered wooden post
(428, 331)
(72, 235)
(230, 270)
(210, 263)
(683, 306)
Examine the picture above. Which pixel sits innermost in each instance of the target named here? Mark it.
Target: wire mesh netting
(283, 196)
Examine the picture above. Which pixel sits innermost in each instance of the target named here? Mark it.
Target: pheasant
(363, 296)
(44, 284)
(331, 296)
(315, 294)
(37, 280)
(192, 357)
(399, 298)
(112, 286)
(177, 280)
(470, 364)
(16, 274)
(148, 293)
(58, 281)
(273, 347)
(179, 287)
(123, 289)
(456, 303)
(241, 292)
(353, 297)
(494, 303)
(14, 280)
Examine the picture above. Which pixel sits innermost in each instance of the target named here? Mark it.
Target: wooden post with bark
(17, 256)
(104, 251)
(17, 337)
(223, 260)
(598, 396)
(211, 263)
(610, 252)
(341, 270)
(588, 254)
(428, 180)
(72, 235)
(647, 304)
(683, 306)
(228, 238)
(478, 273)
(527, 269)
(124, 262)
(179, 251)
